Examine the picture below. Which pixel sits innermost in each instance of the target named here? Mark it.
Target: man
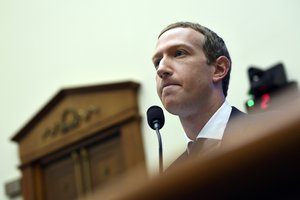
(192, 74)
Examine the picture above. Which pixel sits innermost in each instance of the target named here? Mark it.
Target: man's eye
(156, 63)
(179, 53)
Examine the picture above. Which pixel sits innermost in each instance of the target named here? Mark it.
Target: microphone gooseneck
(156, 121)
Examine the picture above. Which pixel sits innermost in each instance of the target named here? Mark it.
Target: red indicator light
(265, 99)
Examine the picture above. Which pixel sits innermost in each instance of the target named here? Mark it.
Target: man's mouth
(168, 85)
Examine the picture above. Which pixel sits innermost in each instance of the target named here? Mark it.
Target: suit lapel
(231, 126)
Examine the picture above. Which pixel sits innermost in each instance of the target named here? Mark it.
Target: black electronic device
(269, 88)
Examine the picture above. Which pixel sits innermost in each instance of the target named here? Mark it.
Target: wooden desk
(264, 163)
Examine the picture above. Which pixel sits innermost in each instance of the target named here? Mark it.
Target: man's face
(184, 79)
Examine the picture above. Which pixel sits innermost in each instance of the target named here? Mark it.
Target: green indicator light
(250, 103)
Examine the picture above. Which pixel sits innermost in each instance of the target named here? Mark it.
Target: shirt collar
(214, 128)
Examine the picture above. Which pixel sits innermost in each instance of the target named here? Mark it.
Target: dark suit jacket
(210, 143)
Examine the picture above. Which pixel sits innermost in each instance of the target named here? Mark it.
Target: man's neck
(193, 123)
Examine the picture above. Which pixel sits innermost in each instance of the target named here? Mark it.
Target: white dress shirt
(214, 128)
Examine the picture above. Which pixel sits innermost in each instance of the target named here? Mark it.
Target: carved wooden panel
(83, 167)
(60, 177)
(81, 139)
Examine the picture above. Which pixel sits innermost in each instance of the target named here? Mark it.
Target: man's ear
(222, 67)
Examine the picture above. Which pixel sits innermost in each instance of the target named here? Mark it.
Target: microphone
(156, 121)
(155, 117)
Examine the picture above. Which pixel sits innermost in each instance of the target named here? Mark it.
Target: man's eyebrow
(175, 46)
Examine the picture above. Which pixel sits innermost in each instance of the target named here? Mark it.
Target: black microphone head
(155, 115)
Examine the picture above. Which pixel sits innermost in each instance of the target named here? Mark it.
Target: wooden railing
(261, 163)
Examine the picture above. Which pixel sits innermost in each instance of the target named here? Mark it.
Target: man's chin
(171, 107)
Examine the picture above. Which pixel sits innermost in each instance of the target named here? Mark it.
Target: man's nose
(164, 68)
